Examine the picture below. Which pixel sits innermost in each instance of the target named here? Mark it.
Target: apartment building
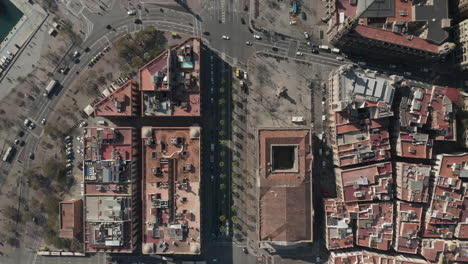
(171, 190)
(403, 30)
(170, 83)
(118, 101)
(110, 189)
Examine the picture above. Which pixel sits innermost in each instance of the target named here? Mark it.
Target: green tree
(222, 101)
(222, 90)
(221, 122)
(221, 164)
(234, 208)
(221, 133)
(234, 123)
(222, 153)
(222, 218)
(137, 62)
(222, 176)
(235, 219)
(222, 229)
(222, 186)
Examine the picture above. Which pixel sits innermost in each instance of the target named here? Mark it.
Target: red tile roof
(397, 39)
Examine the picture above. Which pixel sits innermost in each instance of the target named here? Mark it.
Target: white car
(131, 12)
(43, 121)
(226, 37)
(340, 58)
(245, 75)
(257, 37)
(83, 124)
(299, 53)
(248, 43)
(306, 35)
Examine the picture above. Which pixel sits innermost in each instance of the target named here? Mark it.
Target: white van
(324, 47)
(335, 50)
(102, 123)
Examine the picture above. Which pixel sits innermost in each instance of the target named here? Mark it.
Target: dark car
(20, 133)
(31, 155)
(315, 51)
(206, 33)
(109, 27)
(244, 249)
(274, 49)
(138, 21)
(242, 20)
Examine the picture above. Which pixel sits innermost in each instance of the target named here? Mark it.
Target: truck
(8, 154)
(49, 88)
(324, 47)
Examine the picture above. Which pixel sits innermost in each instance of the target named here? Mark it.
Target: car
(242, 21)
(31, 155)
(76, 54)
(79, 167)
(257, 37)
(340, 58)
(225, 37)
(245, 76)
(212, 177)
(407, 73)
(206, 33)
(32, 126)
(138, 21)
(274, 48)
(212, 100)
(244, 249)
(425, 69)
(325, 192)
(106, 49)
(392, 66)
(315, 51)
(241, 84)
(43, 121)
(17, 141)
(83, 124)
(306, 35)
(27, 122)
(109, 27)
(20, 133)
(248, 43)
(64, 71)
(299, 53)
(362, 63)
(131, 12)
(245, 7)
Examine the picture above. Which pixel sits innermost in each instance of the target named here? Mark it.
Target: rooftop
(438, 250)
(367, 257)
(416, 24)
(118, 103)
(170, 83)
(413, 182)
(414, 145)
(108, 154)
(71, 218)
(374, 225)
(171, 190)
(443, 115)
(285, 186)
(408, 224)
(367, 183)
(338, 223)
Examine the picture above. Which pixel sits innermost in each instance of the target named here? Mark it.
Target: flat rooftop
(170, 83)
(285, 185)
(443, 115)
(408, 224)
(107, 154)
(394, 21)
(367, 183)
(118, 103)
(71, 216)
(413, 182)
(171, 190)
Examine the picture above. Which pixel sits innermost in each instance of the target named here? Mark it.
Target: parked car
(257, 37)
(131, 12)
(299, 53)
(306, 35)
(248, 43)
(43, 121)
(225, 37)
(83, 124)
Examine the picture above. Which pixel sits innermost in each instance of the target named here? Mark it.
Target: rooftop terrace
(170, 83)
(171, 185)
(118, 103)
